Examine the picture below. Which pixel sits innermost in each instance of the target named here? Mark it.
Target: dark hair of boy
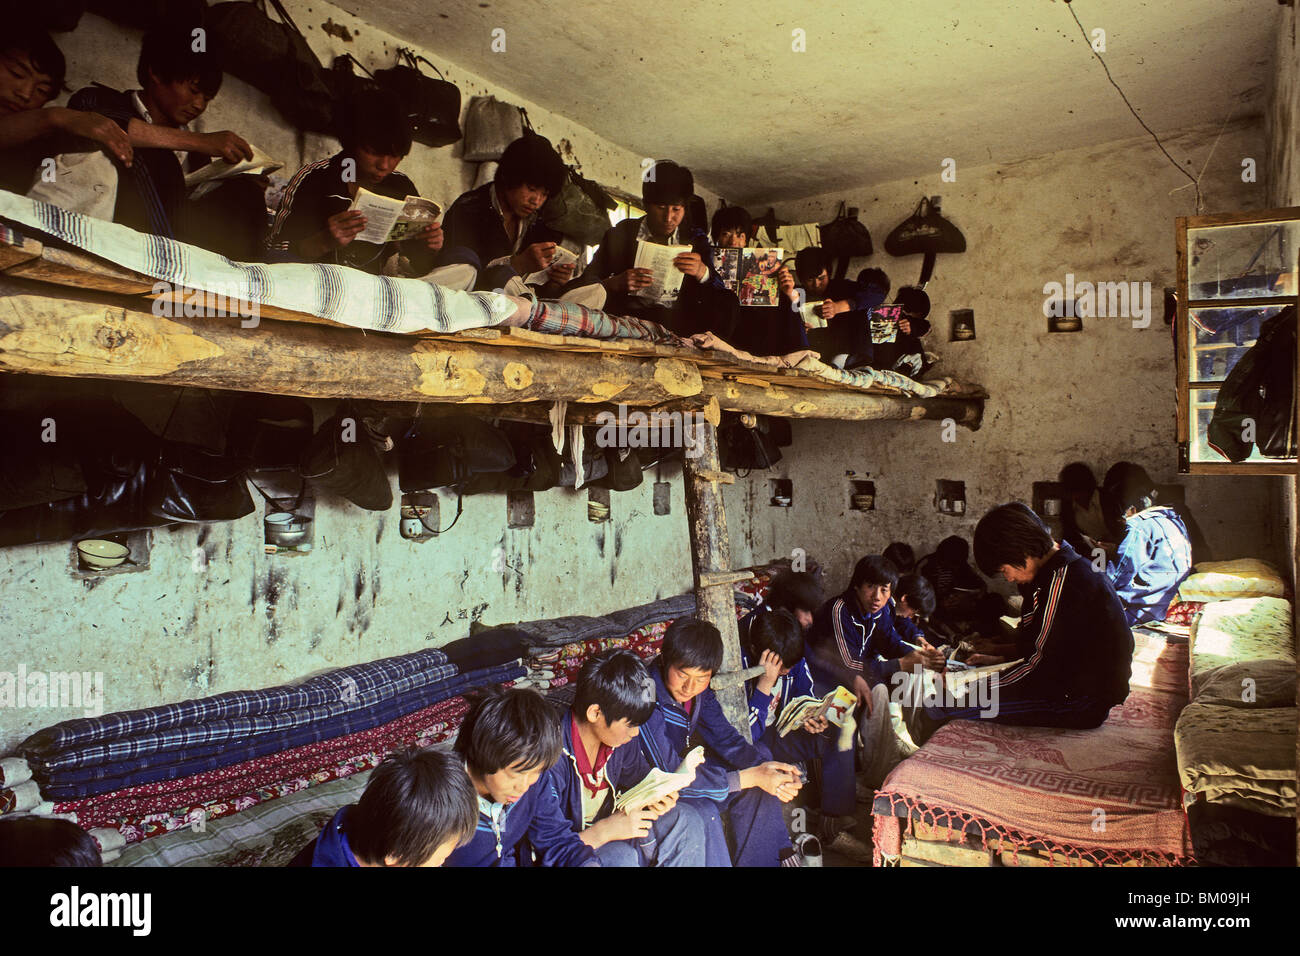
(902, 556)
(874, 278)
(731, 219)
(515, 727)
(918, 592)
(811, 262)
(779, 632)
(692, 643)
(374, 120)
(1010, 534)
(1077, 479)
(618, 683)
(794, 591)
(1129, 486)
(168, 53)
(531, 161)
(43, 52)
(873, 569)
(44, 841)
(953, 550)
(915, 302)
(670, 184)
(415, 801)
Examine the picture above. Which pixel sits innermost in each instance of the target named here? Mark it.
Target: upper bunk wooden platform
(67, 313)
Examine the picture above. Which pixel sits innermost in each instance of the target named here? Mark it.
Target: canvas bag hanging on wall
(579, 211)
(490, 126)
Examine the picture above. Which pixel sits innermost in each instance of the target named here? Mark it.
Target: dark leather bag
(926, 233)
(624, 474)
(844, 238)
(34, 471)
(274, 56)
(270, 431)
(191, 484)
(342, 459)
(446, 452)
(432, 104)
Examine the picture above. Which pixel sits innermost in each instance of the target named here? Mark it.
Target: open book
(667, 280)
(750, 273)
(260, 164)
(811, 314)
(660, 783)
(563, 257)
(957, 677)
(836, 707)
(392, 220)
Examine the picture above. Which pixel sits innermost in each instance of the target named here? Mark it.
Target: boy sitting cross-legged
(736, 776)
(776, 642)
(614, 696)
(418, 806)
(508, 740)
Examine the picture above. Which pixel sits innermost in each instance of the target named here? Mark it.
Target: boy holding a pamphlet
(799, 726)
(771, 326)
(837, 312)
(659, 266)
(738, 777)
(355, 208)
(615, 801)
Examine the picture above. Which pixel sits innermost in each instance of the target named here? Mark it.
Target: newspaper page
(260, 165)
(667, 281)
(392, 220)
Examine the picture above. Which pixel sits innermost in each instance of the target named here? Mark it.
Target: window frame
(1182, 338)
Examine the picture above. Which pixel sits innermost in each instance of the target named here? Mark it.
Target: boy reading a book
(143, 185)
(418, 806)
(615, 695)
(1076, 646)
(499, 223)
(703, 303)
(844, 309)
(1155, 554)
(737, 776)
(775, 642)
(508, 740)
(760, 330)
(315, 222)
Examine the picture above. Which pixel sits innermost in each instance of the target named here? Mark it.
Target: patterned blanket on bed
(1108, 795)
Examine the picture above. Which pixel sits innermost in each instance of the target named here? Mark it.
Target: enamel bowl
(99, 554)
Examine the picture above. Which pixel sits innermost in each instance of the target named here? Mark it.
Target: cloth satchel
(270, 431)
(342, 459)
(275, 57)
(926, 233)
(82, 182)
(432, 104)
(624, 473)
(579, 210)
(490, 126)
(844, 238)
(34, 471)
(741, 448)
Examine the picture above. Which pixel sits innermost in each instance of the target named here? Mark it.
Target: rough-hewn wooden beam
(842, 404)
(710, 555)
(80, 336)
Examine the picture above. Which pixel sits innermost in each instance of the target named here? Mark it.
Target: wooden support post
(711, 554)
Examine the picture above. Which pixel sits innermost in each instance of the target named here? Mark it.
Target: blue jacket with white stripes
(797, 683)
(536, 815)
(626, 767)
(666, 737)
(845, 642)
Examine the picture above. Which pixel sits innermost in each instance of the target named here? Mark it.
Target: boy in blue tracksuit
(1156, 553)
(615, 695)
(775, 641)
(508, 740)
(736, 776)
(795, 591)
(417, 808)
(857, 641)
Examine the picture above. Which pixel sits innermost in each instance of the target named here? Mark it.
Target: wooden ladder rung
(716, 579)
(722, 477)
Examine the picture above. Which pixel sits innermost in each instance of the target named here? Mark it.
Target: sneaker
(906, 746)
(808, 849)
(846, 844)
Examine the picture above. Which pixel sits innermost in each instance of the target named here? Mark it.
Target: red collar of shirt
(586, 771)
